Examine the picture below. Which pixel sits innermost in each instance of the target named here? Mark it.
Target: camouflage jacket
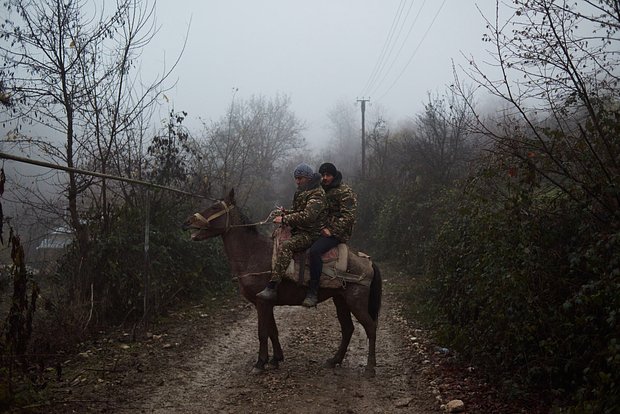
(341, 209)
(309, 209)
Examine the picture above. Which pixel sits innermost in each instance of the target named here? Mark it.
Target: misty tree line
(508, 218)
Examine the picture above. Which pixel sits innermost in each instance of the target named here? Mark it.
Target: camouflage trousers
(297, 243)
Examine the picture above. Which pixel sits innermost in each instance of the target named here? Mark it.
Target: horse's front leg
(346, 328)
(264, 331)
(278, 355)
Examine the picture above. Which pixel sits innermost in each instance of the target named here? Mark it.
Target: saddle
(341, 265)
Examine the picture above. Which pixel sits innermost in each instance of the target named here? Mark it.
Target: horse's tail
(374, 301)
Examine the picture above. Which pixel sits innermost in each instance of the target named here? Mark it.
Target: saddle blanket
(358, 270)
(341, 265)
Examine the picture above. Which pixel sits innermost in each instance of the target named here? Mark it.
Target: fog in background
(320, 54)
(324, 55)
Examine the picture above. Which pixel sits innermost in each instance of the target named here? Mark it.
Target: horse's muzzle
(188, 225)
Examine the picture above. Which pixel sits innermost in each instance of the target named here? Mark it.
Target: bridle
(226, 211)
(213, 216)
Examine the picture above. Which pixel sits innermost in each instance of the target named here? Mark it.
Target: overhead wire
(414, 51)
(395, 43)
(384, 49)
(402, 45)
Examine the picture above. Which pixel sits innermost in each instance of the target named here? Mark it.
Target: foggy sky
(319, 53)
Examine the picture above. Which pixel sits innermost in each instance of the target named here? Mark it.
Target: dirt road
(200, 362)
(218, 378)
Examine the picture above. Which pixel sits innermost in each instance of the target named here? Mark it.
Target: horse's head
(213, 221)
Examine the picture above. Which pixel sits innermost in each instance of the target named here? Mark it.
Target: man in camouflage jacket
(341, 210)
(306, 219)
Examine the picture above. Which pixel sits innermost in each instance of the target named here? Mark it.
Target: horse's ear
(230, 198)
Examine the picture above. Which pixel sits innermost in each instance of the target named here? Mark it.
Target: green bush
(398, 225)
(121, 275)
(526, 283)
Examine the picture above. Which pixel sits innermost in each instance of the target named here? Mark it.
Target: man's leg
(296, 243)
(319, 247)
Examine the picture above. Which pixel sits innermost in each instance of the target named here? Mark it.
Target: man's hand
(277, 219)
(325, 232)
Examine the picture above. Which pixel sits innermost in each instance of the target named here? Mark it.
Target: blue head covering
(303, 170)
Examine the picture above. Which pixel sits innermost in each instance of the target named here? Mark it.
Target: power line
(384, 49)
(402, 45)
(414, 52)
(400, 30)
(388, 39)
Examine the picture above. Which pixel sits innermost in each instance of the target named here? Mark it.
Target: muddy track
(218, 379)
(200, 361)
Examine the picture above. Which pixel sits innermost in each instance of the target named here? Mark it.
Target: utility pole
(230, 115)
(363, 101)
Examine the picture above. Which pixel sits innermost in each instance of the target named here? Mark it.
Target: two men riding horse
(322, 216)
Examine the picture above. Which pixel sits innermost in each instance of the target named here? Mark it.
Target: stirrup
(310, 301)
(268, 294)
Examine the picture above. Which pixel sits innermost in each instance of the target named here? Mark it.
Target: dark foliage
(128, 283)
(17, 329)
(525, 281)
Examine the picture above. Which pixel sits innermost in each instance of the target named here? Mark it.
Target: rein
(267, 220)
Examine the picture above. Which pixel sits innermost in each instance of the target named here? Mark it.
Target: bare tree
(558, 64)
(436, 146)
(118, 104)
(246, 149)
(378, 142)
(68, 68)
(343, 147)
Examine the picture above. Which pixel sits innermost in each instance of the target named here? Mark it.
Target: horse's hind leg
(359, 309)
(346, 328)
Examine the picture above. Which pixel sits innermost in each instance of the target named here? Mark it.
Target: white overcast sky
(318, 52)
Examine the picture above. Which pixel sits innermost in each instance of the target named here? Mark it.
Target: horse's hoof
(259, 366)
(369, 372)
(331, 363)
(274, 364)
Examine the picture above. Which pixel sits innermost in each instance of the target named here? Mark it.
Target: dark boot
(270, 292)
(312, 295)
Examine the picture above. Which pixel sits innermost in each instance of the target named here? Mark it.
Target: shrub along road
(199, 361)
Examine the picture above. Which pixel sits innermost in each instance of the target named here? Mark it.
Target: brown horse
(249, 254)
